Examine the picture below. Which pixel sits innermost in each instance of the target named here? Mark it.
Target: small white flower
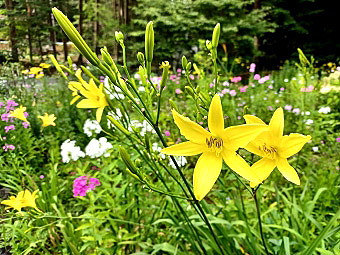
(97, 148)
(70, 151)
(286, 80)
(181, 161)
(315, 148)
(91, 127)
(309, 122)
(325, 110)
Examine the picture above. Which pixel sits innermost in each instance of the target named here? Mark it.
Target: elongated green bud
(165, 65)
(118, 125)
(127, 160)
(184, 62)
(75, 37)
(89, 74)
(302, 57)
(149, 45)
(216, 36)
(69, 60)
(106, 56)
(140, 58)
(147, 142)
(173, 105)
(65, 68)
(190, 91)
(188, 67)
(57, 66)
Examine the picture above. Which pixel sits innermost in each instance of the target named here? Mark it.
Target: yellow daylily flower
(19, 113)
(38, 76)
(15, 202)
(29, 198)
(94, 96)
(25, 71)
(48, 120)
(217, 145)
(35, 70)
(44, 65)
(275, 148)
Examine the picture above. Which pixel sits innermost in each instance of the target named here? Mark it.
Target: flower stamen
(214, 144)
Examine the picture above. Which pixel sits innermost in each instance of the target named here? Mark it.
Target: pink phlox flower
(257, 77)
(25, 124)
(211, 85)
(4, 117)
(83, 184)
(179, 70)
(310, 88)
(236, 79)
(225, 83)
(270, 87)
(167, 133)
(282, 89)
(296, 111)
(252, 67)
(338, 139)
(8, 128)
(2, 104)
(7, 147)
(270, 108)
(192, 77)
(178, 91)
(225, 91)
(232, 93)
(243, 89)
(288, 107)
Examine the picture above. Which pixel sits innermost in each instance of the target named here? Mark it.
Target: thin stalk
(260, 222)
(124, 63)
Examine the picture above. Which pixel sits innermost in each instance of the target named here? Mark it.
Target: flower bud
(75, 37)
(149, 45)
(188, 67)
(190, 91)
(118, 125)
(140, 58)
(165, 65)
(216, 36)
(184, 62)
(119, 37)
(106, 56)
(173, 105)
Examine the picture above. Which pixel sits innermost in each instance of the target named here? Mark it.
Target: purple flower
(282, 89)
(83, 184)
(236, 79)
(167, 133)
(179, 70)
(7, 147)
(270, 87)
(243, 89)
(225, 91)
(2, 104)
(338, 139)
(41, 176)
(178, 91)
(211, 85)
(8, 128)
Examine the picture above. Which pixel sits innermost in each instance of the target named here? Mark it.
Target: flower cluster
(70, 151)
(91, 127)
(97, 148)
(83, 184)
(23, 199)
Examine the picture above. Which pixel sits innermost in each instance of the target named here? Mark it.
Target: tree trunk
(29, 14)
(12, 30)
(96, 29)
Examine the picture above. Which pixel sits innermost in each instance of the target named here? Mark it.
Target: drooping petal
(239, 165)
(263, 168)
(239, 136)
(276, 126)
(288, 171)
(206, 172)
(87, 103)
(190, 129)
(292, 144)
(99, 114)
(251, 119)
(215, 116)
(185, 149)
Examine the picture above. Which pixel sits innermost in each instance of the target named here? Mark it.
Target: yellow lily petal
(88, 103)
(251, 119)
(239, 165)
(276, 126)
(288, 171)
(254, 146)
(99, 114)
(292, 144)
(206, 172)
(75, 99)
(190, 129)
(215, 116)
(263, 169)
(185, 149)
(240, 136)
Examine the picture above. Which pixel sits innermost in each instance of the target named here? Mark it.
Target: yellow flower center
(215, 144)
(269, 151)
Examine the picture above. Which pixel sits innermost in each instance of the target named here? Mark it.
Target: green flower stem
(196, 202)
(259, 220)
(216, 74)
(124, 62)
